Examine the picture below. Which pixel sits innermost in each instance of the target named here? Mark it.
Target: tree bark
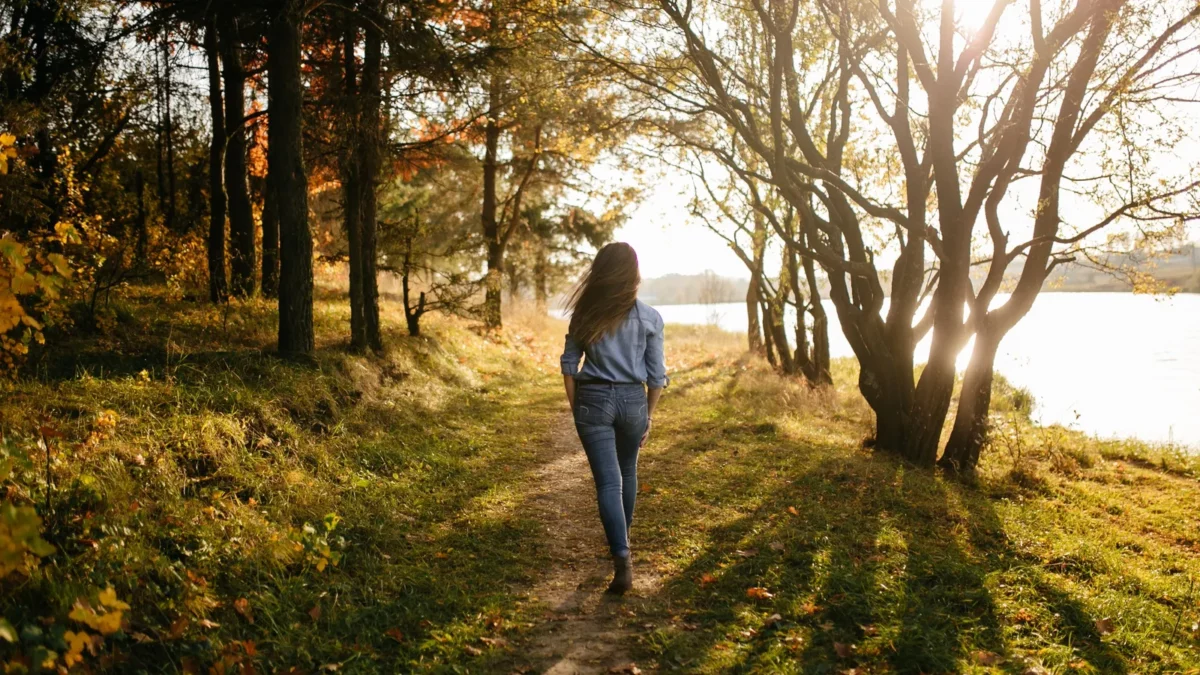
(169, 137)
(243, 259)
(491, 227)
(139, 188)
(270, 243)
(820, 328)
(754, 341)
(971, 420)
(541, 271)
(371, 128)
(218, 290)
(351, 182)
(288, 181)
(768, 338)
(412, 316)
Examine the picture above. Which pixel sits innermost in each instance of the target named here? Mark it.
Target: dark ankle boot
(622, 575)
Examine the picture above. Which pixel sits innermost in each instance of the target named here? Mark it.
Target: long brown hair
(605, 294)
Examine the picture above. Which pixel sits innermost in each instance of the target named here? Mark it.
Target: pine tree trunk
(218, 290)
(242, 259)
(541, 269)
(169, 136)
(491, 228)
(371, 128)
(351, 187)
(288, 181)
(139, 188)
(270, 243)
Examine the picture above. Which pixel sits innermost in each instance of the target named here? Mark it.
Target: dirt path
(583, 631)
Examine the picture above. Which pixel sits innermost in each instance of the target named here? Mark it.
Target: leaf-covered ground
(430, 511)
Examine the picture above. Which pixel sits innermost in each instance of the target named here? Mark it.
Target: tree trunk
(768, 338)
(775, 322)
(218, 290)
(412, 316)
(288, 182)
(139, 188)
(242, 259)
(820, 327)
(753, 328)
(541, 269)
(971, 420)
(270, 243)
(351, 182)
(371, 128)
(491, 227)
(169, 135)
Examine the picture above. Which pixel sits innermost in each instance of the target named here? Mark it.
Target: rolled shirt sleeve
(656, 366)
(571, 357)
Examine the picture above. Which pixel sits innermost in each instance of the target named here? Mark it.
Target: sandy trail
(583, 631)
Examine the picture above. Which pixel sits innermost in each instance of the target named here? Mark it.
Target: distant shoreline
(1056, 292)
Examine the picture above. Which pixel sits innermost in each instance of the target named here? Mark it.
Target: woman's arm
(652, 395)
(571, 357)
(656, 371)
(569, 383)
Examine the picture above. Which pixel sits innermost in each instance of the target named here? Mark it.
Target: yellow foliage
(75, 644)
(105, 622)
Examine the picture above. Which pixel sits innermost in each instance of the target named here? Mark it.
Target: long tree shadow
(861, 560)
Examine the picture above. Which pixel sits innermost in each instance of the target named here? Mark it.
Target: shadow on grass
(429, 508)
(869, 562)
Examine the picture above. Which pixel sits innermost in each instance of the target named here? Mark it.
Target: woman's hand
(649, 423)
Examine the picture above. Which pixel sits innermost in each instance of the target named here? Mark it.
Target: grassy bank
(366, 515)
(358, 513)
(787, 547)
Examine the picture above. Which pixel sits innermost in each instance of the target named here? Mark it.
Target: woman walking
(614, 394)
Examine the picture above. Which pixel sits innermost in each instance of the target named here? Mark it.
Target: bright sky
(669, 241)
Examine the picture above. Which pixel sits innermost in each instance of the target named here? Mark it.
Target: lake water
(1114, 365)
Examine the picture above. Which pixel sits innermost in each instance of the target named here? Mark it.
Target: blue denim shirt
(631, 353)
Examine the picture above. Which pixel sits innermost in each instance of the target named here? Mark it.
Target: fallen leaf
(772, 621)
(869, 629)
(776, 546)
(1104, 626)
(748, 553)
(627, 669)
(395, 634)
(494, 642)
(315, 612)
(242, 606)
(810, 608)
(985, 658)
(759, 593)
(706, 579)
(843, 650)
(178, 627)
(473, 651)
(208, 624)
(792, 510)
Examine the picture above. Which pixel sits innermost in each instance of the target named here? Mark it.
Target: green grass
(1068, 555)
(220, 456)
(1075, 559)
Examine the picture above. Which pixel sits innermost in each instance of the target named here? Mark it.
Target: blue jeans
(611, 419)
